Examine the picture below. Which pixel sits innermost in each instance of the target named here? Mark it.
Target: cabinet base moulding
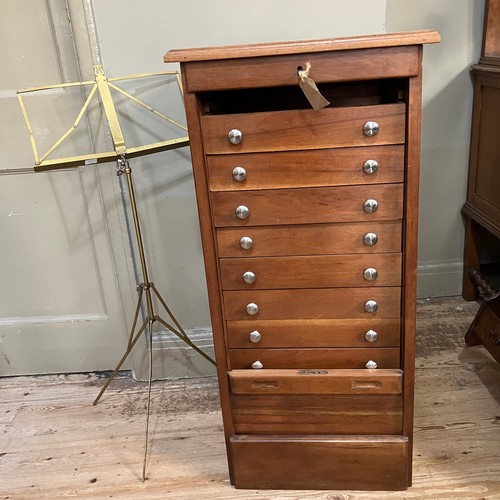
(326, 462)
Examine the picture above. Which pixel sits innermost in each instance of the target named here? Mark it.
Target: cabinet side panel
(410, 235)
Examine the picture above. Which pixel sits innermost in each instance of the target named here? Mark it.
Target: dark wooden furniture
(482, 209)
(485, 328)
(309, 231)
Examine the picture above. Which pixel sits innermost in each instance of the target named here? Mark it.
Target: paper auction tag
(310, 90)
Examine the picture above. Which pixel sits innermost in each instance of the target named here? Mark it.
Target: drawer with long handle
(346, 401)
(346, 382)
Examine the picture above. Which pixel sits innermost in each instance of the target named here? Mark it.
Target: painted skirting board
(172, 358)
(440, 279)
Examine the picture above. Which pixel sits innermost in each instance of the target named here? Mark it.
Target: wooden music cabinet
(309, 230)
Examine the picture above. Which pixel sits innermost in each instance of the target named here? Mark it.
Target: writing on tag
(310, 89)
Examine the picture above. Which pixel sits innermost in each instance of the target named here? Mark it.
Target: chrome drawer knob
(252, 309)
(370, 239)
(242, 212)
(257, 365)
(371, 336)
(371, 306)
(235, 136)
(246, 243)
(255, 337)
(239, 174)
(371, 365)
(370, 206)
(249, 277)
(370, 274)
(370, 129)
(370, 166)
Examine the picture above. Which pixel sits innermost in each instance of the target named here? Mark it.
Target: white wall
(446, 122)
(134, 35)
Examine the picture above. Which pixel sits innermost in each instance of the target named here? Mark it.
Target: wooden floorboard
(54, 443)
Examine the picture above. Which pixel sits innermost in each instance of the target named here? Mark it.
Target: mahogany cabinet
(481, 210)
(309, 230)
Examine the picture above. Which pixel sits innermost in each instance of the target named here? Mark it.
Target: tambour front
(309, 224)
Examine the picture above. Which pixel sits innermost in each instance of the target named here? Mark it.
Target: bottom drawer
(384, 357)
(315, 414)
(320, 463)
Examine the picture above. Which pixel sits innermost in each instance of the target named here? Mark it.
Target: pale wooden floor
(54, 443)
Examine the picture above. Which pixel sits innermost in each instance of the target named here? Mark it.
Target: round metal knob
(370, 206)
(371, 365)
(239, 174)
(235, 136)
(370, 274)
(370, 166)
(252, 309)
(370, 239)
(370, 129)
(246, 243)
(371, 306)
(257, 365)
(371, 336)
(249, 277)
(255, 337)
(242, 212)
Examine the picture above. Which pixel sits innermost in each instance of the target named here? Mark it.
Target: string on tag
(310, 89)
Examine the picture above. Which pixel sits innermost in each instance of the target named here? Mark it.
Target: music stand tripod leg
(119, 365)
(186, 339)
(179, 331)
(148, 410)
(145, 288)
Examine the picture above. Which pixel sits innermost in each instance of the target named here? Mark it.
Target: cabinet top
(302, 46)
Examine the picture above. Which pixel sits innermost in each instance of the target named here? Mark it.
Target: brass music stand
(102, 85)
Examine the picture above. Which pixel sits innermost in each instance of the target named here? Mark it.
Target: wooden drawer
(317, 414)
(321, 167)
(316, 381)
(309, 239)
(304, 129)
(313, 333)
(316, 401)
(328, 303)
(321, 462)
(308, 205)
(365, 64)
(385, 357)
(320, 271)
